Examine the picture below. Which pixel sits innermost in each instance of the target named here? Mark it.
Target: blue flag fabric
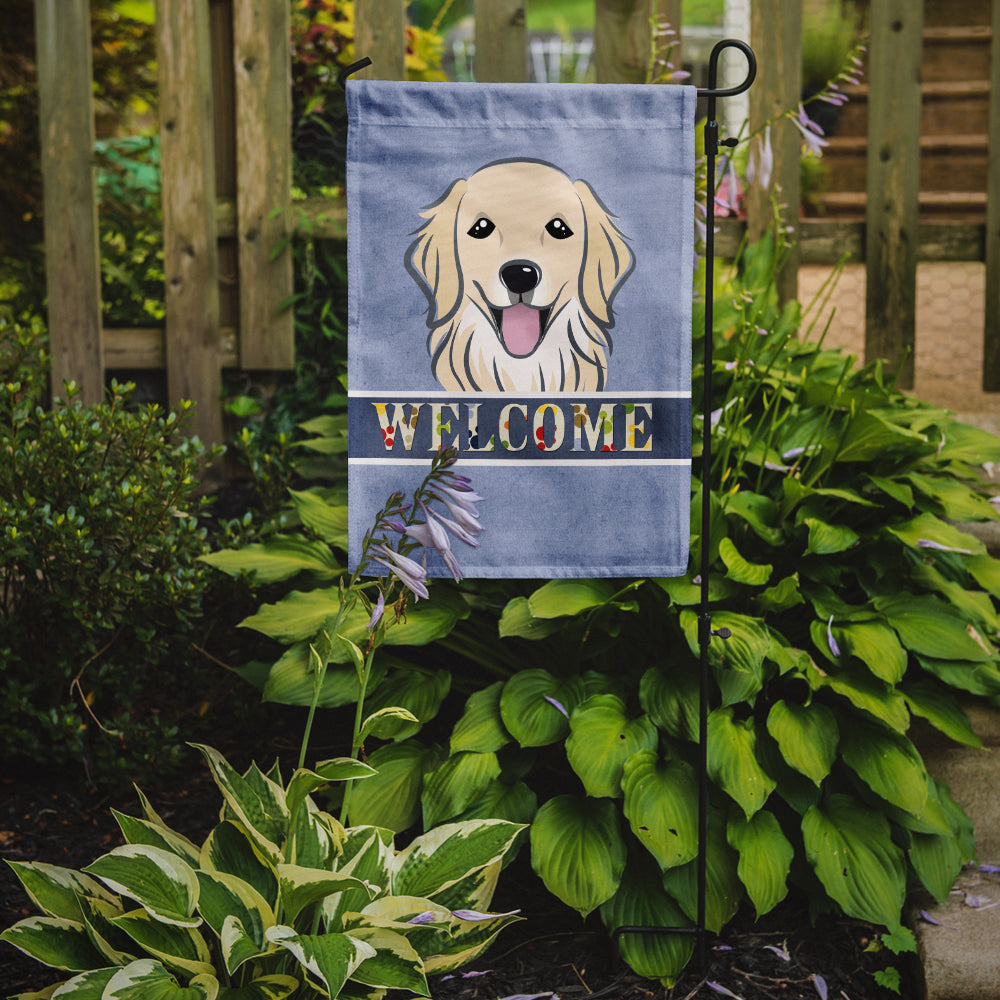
(520, 262)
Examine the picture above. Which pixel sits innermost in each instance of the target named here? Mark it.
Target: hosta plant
(279, 900)
(855, 604)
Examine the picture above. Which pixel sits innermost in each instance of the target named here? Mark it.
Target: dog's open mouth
(521, 327)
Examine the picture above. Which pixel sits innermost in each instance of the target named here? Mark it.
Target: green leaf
(986, 571)
(738, 662)
(516, 803)
(937, 860)
(147, 979)
(888, 763)
(578, 851)
(330, 959)
(517, 620)
(56, 891)
(438, 859)
(956, 500)
(292, 680)
(661, 799)
(723, 889)
(807, 736)
(395, 964)
(527, 711)
(869, 436)
(558, 598)
(275, 987)
(876, 646)
(827, 539)
(481, 727)
(279, 558)
(765, 858)
(783, 595)
(732, 760)
(850, 848)
(327, 520)
(671, 699)
(417, 690)
(54, 941)
(391, 798)
(163, 884)
(601, 739)
(456, 784)
(386, 722)
(976, 678)
(640, 901)
(932, 628)
(866, 692)
(927, 527)
(941, 709)
(893, 488)
(739, 569)
(304, 782)
(760, 512)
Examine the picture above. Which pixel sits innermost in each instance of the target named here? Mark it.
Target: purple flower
(927, 543)
(780, 952)
(475, 915)
(820, 983)
(811, 132)
(558, 705)
(457, 530)
(464, 513)
(377, 612)
(834, 648)
(410, 573)
(761, 163)
(427, 917)
(719, 988)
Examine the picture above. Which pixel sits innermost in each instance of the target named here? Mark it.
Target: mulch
(552, 952)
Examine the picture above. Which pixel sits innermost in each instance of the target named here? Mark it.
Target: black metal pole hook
(353, 68)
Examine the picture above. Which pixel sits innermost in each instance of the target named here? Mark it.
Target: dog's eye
(559, 229)
(481, 228)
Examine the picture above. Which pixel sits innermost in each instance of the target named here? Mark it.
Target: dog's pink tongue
(521, 329)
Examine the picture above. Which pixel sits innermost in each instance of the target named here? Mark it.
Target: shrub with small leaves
(99, 572)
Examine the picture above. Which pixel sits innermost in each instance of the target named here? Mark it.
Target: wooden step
(947, 106)
(947, 162)
(957, 206)
(956, 53)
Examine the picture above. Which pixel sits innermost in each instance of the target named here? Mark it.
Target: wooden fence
(226, 161)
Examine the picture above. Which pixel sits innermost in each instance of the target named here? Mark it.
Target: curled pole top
(713, 90)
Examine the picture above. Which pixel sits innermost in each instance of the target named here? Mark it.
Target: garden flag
(520, 262)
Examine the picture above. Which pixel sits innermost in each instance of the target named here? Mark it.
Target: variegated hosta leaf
(578, 851)
(300, 887)
(850, 847)
(147, 979)
(481, 727)
(456, 784)
(367, 853)
(535, 706)
(274, 987)
(230, 849)
(158, 880)
(475, 891)
(177, 947)
(441, 857)
(661, 799)
(225, 897)
(468, 939)
(642, 902)
(395, 964)
(602, 737)
(315, 838)
(304, 782)
(765, 858)
(723, 889)
(141, 831)
(807, 736)
(116, 947)
(54, 941)
(329, 959)
(732, 760)
(86, 986)
(56, 891)
(256, 801)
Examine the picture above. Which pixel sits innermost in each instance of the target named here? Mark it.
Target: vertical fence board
(991, 333)
(262, 60)
(380, 34)
(893, 183)
(776, 35)
(501, 40)
(190, 254)
(621, 40)
(72, 257)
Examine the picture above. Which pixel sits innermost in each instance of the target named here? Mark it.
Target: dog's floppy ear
(432, 258)
(608, 259)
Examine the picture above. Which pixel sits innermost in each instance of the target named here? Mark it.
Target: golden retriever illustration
(520, 266)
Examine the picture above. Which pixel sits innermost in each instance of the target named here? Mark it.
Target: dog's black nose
(520, 276)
